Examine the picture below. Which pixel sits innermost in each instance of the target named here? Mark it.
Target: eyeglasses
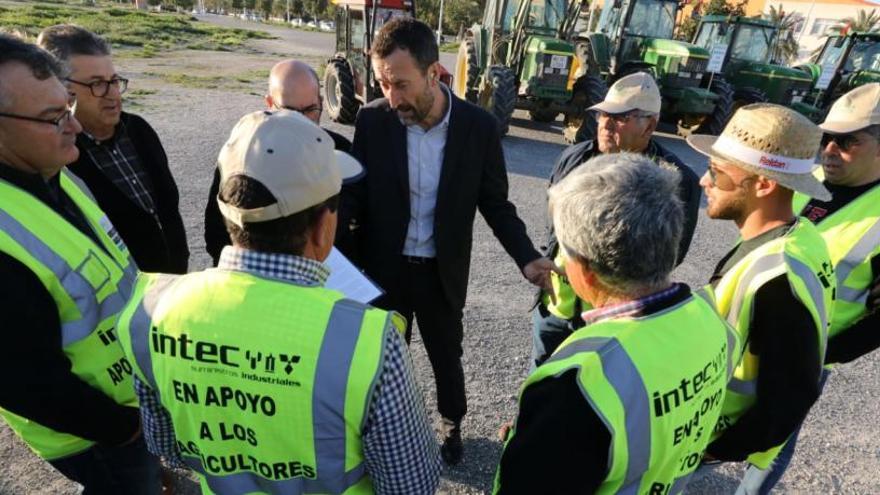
(311, 109)
(720, 180)
(101, 87)
(843, 141)
(622, 118)
(59, 122)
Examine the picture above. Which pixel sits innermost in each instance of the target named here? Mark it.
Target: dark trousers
(419, 294)
(548, 332)
(113, 470)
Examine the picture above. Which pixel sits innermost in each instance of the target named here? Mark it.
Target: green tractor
(747, 63)
(636, 35)
(521, 57)
(845, 62)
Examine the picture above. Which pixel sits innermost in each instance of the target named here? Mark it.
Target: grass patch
(450, 47)
(226, 82)
(126, 27)
(188, 80)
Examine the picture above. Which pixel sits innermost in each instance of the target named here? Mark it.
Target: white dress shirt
(424, 153)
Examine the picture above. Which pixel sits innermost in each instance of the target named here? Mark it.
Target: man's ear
(765, 187)
(651, 127)
(270, 103)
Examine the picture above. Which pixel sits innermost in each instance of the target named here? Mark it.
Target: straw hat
(772, 141)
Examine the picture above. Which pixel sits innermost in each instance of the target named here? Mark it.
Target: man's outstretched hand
(538, 273)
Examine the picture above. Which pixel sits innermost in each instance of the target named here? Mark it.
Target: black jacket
(155, 247)
(39, 383)
(473, 176)
(216, 236)
(688, 189)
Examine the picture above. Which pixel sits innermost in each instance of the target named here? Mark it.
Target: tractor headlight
(684, 74)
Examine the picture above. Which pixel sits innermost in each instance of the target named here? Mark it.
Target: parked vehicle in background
(327, 25)
(348, 77)
(747, 66)
(845, 62)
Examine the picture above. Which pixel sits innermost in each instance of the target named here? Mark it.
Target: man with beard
(776, 286)
(627, 119)
(850, 224)
(121, 158)
(431, 161)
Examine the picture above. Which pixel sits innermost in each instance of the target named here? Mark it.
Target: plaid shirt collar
(286, 267)
(90, 140)
(629, 308)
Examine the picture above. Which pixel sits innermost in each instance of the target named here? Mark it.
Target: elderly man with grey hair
(627, 119)
(628, 402)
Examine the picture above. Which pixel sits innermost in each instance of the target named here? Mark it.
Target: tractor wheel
(467, 72)
(714, 123)
(580, 123)
(542, 113)
(498, 96)
(747, 96)
(339, 95)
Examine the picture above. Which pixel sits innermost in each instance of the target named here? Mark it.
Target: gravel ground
(838, 452)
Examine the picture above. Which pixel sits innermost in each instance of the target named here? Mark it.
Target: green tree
(460, 13)
(863, 21)
(722, 7)
(265, 8)
(785, 48)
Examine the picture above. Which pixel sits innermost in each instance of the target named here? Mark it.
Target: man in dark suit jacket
(431, 161)
(293, 85)
(121, 159)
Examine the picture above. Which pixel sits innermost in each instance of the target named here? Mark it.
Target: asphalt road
(838, 452)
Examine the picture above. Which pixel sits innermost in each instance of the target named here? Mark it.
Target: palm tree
(785, 47)
(863, 22)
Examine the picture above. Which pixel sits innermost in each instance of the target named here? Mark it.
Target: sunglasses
(724, 182)
(843, 141)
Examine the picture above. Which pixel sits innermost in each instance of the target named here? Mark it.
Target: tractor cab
(747, 62)
(845, 62)
(629, 23)
(348, 77)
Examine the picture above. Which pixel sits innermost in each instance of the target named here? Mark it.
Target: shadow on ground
(481, 457)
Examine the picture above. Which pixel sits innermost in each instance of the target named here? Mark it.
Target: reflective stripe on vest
(624, 377)
(856, 256)
(657, 409)
(853, 237)
(89, 282)
(333, 368)
(801, 255)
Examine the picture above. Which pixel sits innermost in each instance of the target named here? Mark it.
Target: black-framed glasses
(622, 118)
(843, 141)
(59, 122)
(101, 87)
(316, 108)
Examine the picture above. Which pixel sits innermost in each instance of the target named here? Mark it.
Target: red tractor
(348, 78)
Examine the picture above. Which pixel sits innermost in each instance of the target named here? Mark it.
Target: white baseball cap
(636, 91)
(289, 155)
(854, 111)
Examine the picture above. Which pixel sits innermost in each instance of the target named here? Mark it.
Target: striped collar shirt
(629, 308)
(286, 267)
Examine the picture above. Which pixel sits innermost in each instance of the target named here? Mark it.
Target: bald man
(293, 85)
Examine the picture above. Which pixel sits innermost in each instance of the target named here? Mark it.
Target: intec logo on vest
(191, 350)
